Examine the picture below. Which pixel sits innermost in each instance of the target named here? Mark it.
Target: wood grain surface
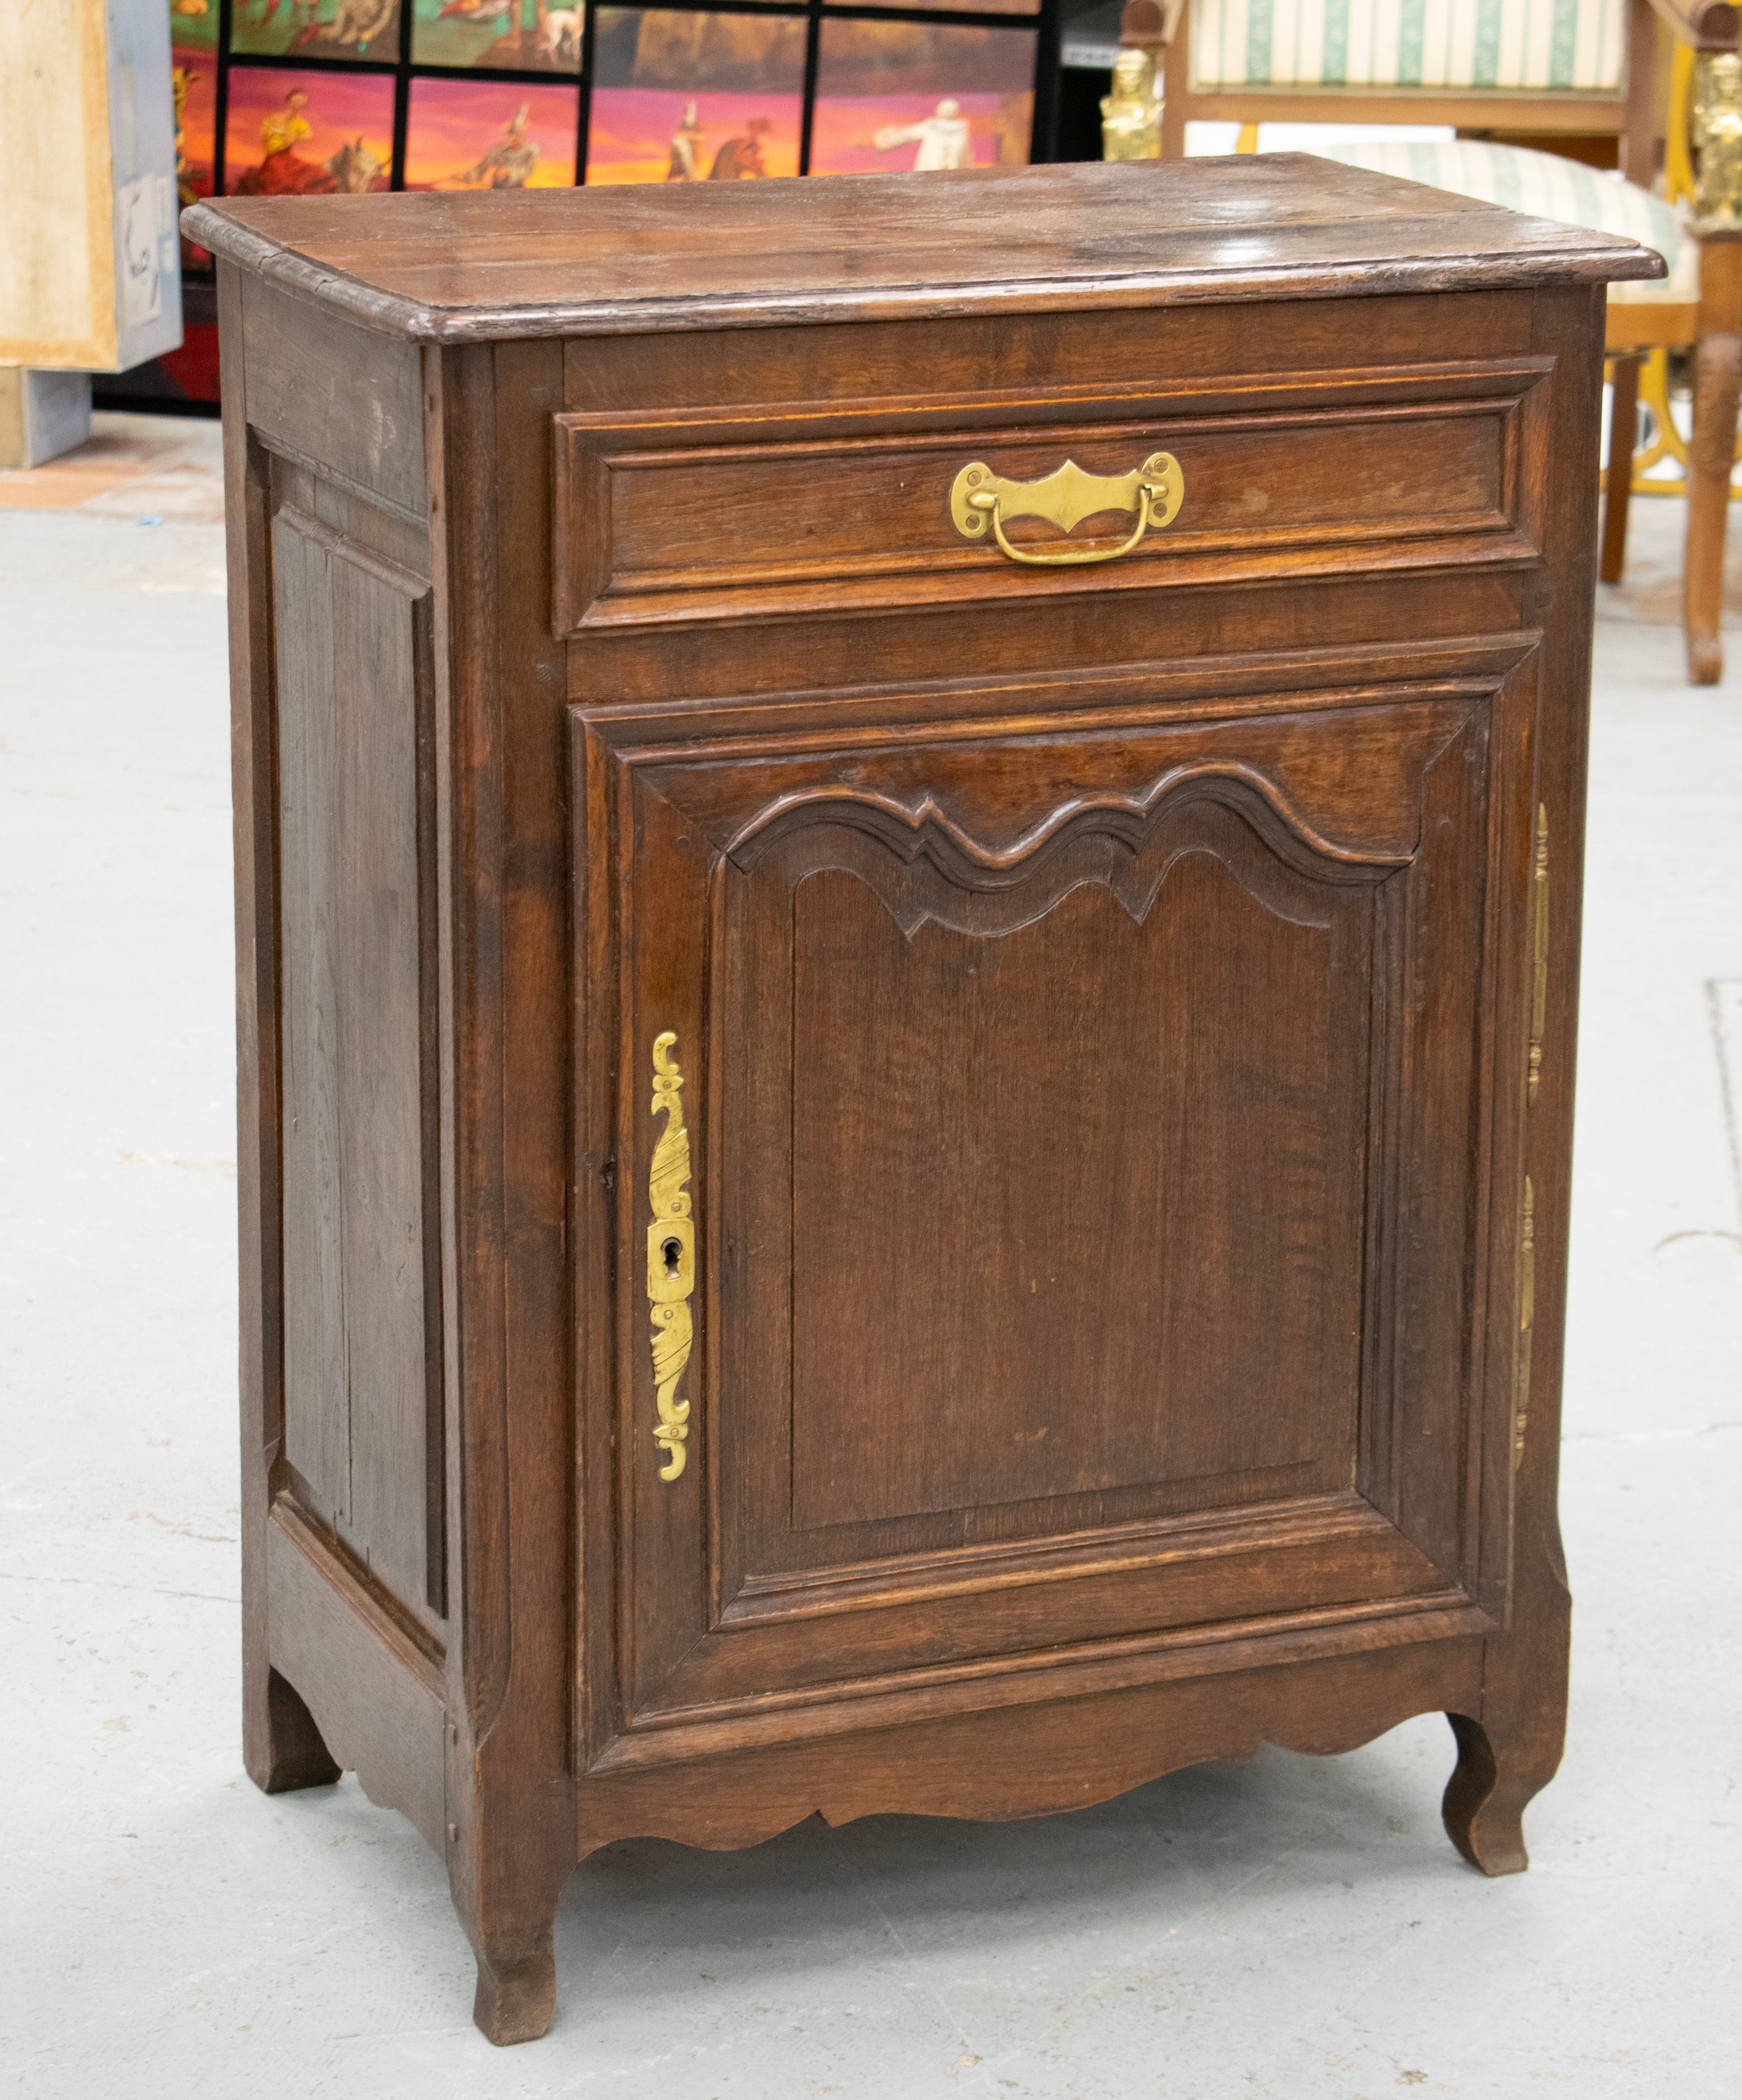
(1084, 235)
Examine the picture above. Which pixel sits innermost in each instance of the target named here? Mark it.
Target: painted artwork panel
(193, 81)
(193, 26)
(899, 98)
(496, 33)
(650, 134)
(317, 29)
(952, 6)
(290, 132)
(695, 97)
(481, 135)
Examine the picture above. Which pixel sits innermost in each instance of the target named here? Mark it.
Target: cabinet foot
(283, 1748)
(517, 1993)
(1485, 1799)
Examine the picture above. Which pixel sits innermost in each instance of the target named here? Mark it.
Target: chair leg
(1624, 417)
(1711, 452)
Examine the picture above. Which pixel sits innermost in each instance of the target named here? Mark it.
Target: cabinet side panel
(317, 1428)
(353, 653)
(375, 622)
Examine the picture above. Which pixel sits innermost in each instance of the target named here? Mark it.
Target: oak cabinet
(908, 909)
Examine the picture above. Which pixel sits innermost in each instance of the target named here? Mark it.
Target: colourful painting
(291, 132)
(193, 80)
(914, 98)
(317, 29)
(650, 134)
(193, 26)
(477, 134)
(528, 35)
(693, 97)
(952, 7)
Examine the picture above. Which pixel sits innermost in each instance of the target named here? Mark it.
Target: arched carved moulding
(924, 867)
(932, 830)
(1005, 788)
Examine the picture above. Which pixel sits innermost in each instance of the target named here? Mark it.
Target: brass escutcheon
(671, 1258)
(979, 498)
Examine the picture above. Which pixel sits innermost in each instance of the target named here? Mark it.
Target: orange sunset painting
(292, 131)
(915, 133)
(486, 135)
(916, 98)
(651, 134)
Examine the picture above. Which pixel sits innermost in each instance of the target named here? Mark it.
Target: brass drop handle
(979, 498)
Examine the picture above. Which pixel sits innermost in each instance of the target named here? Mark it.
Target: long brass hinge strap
(1539, 983)
(1527, 1317)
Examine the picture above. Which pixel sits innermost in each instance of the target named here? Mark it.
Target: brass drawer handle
(671, 1259)
(1064, 498)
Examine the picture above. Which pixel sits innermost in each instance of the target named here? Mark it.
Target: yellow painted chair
(1570, 67)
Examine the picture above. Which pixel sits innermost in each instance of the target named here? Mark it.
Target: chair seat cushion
(1545, 185)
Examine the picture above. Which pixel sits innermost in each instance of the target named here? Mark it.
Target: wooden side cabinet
(908, 860)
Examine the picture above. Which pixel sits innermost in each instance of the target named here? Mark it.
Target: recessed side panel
(362, 1425)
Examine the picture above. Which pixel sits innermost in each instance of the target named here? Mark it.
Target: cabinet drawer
(667, 517)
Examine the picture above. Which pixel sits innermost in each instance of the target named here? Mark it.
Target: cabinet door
(1086, 1252)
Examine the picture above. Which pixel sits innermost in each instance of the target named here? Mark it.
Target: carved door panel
(1072, 1245)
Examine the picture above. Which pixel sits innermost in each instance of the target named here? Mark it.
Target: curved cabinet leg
(1486, 1797)
(282, 1747)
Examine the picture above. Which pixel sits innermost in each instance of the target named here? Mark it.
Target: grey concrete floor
(1282, 1931)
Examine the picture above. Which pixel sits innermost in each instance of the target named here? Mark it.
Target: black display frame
(153, 388)
(1043, 25)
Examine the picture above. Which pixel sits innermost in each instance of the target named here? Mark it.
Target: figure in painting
(283, 171)
(742, 156)
(355, 23)
(687, 149)
(509, 162)
(356, 167)
(557, 42)
(942, 138)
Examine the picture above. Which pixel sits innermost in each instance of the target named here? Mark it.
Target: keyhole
(670, 1253)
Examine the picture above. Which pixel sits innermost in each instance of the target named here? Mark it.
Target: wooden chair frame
(1711, 326)
(1628, 115)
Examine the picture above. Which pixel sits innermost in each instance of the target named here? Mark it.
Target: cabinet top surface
(446, 267)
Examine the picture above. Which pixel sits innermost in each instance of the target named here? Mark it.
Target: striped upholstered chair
(1538, 67)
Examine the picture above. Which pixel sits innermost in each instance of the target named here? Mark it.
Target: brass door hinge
(671, 1259)
(1527, 1316)
(1539, 983)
